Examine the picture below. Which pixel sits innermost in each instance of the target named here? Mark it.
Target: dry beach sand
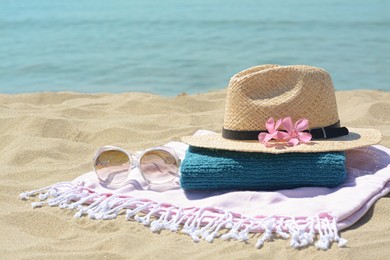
(51, 137)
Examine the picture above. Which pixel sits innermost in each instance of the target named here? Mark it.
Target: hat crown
(258, 93)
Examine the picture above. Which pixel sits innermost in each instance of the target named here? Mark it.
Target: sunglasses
(157, 165)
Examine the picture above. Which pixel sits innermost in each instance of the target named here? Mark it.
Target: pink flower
(295, 133)
(273, 132)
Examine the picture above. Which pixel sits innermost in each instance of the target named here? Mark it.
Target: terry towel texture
(297, 213)
(208, 169)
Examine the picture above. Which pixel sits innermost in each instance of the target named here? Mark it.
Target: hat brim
(357, 137)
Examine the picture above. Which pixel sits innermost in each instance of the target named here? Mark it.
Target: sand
(51, 137)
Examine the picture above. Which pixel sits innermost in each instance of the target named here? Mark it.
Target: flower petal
(270, 125)
(283, 136)
(278, 123)
(304, 137)
(302, 124)
(288, 125)
(293, 141)
(264, 137)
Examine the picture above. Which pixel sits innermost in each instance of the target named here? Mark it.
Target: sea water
(173, 46)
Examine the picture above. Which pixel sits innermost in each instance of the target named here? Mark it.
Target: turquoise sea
(173, 46)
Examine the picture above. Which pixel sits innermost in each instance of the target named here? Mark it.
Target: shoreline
(223, 89)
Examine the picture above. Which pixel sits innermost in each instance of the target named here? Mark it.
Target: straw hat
(272, 91)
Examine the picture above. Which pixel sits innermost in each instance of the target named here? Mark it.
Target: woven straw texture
(258, 93)
(358, 137)
(261, 92)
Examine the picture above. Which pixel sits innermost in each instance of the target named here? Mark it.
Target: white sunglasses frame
(135, 161)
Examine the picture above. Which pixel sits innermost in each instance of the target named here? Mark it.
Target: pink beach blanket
(305, 215)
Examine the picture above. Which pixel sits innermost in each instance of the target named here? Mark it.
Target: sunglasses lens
(112, 166)
(158, 166)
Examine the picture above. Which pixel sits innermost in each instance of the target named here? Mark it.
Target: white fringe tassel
(198, 223)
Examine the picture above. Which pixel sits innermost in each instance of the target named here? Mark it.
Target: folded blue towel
(208, 169)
